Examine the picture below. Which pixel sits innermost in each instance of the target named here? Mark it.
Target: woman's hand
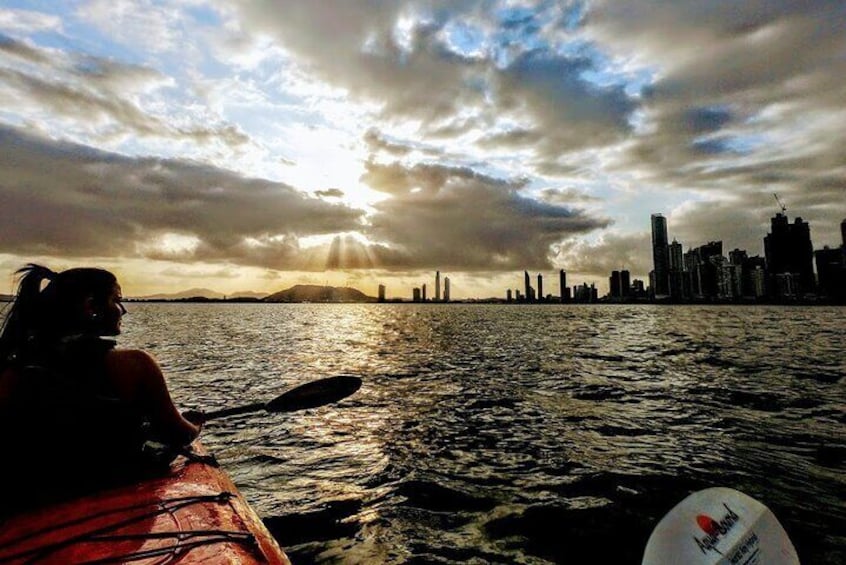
(196, 417)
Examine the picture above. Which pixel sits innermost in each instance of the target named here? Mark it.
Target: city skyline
(786, 271)
(241, 146)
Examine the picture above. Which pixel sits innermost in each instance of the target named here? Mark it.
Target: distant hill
(190, 293)
(193, 293)
(316, 293)
(247, 294)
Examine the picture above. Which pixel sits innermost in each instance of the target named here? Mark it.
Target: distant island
(297, 293)
(316, 293)
(203, 293)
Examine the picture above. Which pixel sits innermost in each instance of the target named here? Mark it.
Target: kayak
(191, 514)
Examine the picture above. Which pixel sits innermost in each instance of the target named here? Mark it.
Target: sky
(252, 145)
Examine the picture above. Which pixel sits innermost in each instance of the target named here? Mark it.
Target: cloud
(415, 63)
(376, 142)
(612, 252)
(567, 111)
(399, 179)
(133, 22)
(330, 193)
(26, 21)
(65, 199)
(460, 219)
(761, 74)
(191, 273)
(21, 50)
(96, 94)
(566, 196)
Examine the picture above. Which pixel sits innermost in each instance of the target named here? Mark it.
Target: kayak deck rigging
(194, 514)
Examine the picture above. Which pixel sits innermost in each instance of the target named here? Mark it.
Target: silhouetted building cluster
(704, 274)
(418, 294)
(530, 294)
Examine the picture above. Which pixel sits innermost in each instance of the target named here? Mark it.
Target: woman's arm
(138, 379)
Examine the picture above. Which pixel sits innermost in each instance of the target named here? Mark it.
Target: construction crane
(780, 203)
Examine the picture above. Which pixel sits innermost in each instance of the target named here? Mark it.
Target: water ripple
(496, 434)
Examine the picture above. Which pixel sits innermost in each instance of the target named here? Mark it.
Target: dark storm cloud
(462, 219)
(93, 90)
(70, 200)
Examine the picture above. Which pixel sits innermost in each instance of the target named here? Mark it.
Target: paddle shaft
(234, 410)
(308, 395)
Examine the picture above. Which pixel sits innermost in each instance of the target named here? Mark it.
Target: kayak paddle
(308, 395)
(719, 526)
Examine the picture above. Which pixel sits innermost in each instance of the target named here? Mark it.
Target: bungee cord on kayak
(101, 535)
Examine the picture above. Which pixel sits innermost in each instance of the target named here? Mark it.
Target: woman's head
(82, 300)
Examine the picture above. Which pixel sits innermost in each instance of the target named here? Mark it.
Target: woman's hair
(39, 316)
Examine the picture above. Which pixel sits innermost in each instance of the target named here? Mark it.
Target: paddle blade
(719, 526)
(315, 393)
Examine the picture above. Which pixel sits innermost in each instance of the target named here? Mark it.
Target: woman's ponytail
(25, 314)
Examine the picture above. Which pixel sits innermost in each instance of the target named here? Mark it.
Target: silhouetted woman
(74, 410)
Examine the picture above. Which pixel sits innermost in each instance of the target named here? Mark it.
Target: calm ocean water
(514, 434)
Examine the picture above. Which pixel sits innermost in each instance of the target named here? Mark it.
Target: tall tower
(437, 286)
(424, 292)
(562, 283)
(625, 284)
(676, 274)
(381, 293)
(789, 251)
(540, 287)
(615, 285)
(446, 289)
(528, 285)
(660, 255)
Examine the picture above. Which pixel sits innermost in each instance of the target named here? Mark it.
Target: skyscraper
(562, 283)
(424, 292)
(437, 286)
(625, 284)
(446, 289)
(676, 275)
(381, 293)
(614, 284)
(831, 269)
(789, 251)
(540, 287)
(660, 256)
(675, 255)
(527, 284)
(710, 268)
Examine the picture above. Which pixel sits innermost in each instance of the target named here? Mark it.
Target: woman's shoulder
(131, 360)
(9, 382)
